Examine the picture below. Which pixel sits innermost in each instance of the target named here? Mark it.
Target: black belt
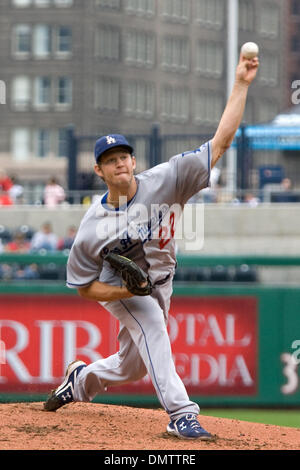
(162, 281)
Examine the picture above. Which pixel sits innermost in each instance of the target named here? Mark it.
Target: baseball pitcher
(124, 258)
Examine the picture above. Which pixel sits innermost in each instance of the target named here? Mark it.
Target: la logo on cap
(110, 140)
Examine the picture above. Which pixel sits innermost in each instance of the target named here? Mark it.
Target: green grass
(289, 418)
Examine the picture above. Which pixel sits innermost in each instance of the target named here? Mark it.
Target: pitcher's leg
(145, 322)
(120, 368)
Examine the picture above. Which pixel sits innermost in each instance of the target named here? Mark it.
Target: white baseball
(250, 50)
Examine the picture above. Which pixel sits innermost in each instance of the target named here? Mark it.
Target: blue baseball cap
(110, 141)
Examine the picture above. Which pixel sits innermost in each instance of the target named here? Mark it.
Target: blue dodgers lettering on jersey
(153, 228)
(147, 229)
(125, 245)
(160, 226)
(126, 242)
(121, 245)
(138, 222)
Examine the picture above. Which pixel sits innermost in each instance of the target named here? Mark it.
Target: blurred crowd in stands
(12, 191)
(52, 194)
(43, 241)
(25, 240)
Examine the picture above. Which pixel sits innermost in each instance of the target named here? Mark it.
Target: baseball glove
(135, 279)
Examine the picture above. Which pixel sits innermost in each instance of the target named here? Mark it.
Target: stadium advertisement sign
(214, 342)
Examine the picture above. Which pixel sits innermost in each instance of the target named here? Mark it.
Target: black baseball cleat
(64, 394)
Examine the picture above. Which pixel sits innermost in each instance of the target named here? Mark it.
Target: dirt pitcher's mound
(91, 426)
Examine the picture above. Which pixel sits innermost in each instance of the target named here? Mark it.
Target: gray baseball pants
(144, 348)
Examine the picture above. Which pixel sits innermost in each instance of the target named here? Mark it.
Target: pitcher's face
(116, 167)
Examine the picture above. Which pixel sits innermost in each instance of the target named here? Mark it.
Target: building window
(21, 144)
(109, 4)
(209, 59)
(42, 143)
(21, 92)
(246, 15)
(139, 49)
(107, 43)
(208, 107)
(42, 96)
(175, 104)
(62, 143)
(21, 3)
(38, 143)
(22, 39)
(42, 3)
(210, 13)
(145, 8)
(63, 40)
(64, 91)
(269, 69)
(177, 11)
(268, 21)
(63, 3)
(295, 44)
(175, 54)
(42, 41)
(139, 99)
(107, 94)
(295, 7)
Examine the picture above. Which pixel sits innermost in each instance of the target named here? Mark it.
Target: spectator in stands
(5, 186)
(44, 239)
(5, 199)
(27, 272)
(286, 184)
(6, 272)
(251, 200)
(18, 245)
(16, 191)
(54, 194)
(66, 242)
(285, 193)
(5, 181)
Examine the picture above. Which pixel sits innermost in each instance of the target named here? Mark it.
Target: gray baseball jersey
(143, 228)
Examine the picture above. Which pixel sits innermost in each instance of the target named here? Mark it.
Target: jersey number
(165, 232)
